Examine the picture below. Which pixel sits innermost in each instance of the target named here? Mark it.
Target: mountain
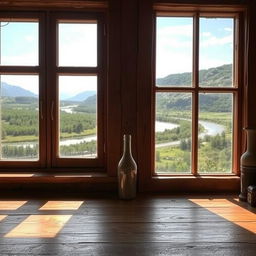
(81, 96)
(182, 101)
(88, 106)
(220, 77)
(15, 91)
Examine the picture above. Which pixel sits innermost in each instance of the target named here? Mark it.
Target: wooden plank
(148, 225)
(144, 249)
(129, 50)
(113, 92)
(145, 78)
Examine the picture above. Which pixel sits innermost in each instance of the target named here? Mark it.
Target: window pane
(173, 131)
(216, 52)
(19, 113)
(174, 40)
(215, 134)
(78, 44)
(78, 116)
(19, 43)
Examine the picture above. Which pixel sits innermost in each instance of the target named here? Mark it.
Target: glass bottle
(127, 172)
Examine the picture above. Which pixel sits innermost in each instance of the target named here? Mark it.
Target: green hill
(217, 77)
(88, 105)
(220, 76)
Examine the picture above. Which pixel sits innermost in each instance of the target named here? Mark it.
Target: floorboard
(149, 225)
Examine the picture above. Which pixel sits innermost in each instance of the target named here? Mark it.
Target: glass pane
(216, 52)
(19, 113)
(174, 41)
(78, 116)
(173, 133)
(78, 44)
(19, 43)
(215, 134)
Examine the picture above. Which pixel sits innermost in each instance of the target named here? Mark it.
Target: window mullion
(195, 93)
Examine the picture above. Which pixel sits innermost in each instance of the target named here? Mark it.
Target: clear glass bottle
(127, 172)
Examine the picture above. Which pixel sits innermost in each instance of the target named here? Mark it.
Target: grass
(77, 135)
(32, 138)
(12, 139)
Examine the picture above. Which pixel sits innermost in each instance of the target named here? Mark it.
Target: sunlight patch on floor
(62, 205)
(3, 217)
(229, 211)
(39, 226)
(11, 205)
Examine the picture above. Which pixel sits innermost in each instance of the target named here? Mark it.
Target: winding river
(210, 129)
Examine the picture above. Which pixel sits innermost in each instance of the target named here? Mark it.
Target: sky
(174, 44)
(78, 47)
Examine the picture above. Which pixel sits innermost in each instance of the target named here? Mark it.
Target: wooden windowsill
(192, 177)
(53, 176)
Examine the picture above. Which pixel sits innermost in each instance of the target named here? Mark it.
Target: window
(196, 93)
(19, 89)
(51, 89)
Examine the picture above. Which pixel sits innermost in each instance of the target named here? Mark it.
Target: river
(210, 129)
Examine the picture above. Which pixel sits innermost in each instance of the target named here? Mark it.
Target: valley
(173, 129)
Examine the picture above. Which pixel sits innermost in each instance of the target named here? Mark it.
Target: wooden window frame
(195, 89)
(47, 71)
(146, 100)
(30, 70)
(55, 71)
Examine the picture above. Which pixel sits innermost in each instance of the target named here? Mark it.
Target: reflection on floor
(148, 225)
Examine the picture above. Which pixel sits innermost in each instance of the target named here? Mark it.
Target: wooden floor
(149, 225)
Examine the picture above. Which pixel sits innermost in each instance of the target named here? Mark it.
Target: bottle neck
(127, 144)
(251, 140)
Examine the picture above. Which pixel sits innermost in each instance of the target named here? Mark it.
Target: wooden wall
(129, 71)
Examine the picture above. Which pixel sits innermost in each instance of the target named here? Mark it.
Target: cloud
(172, 63)
(26, 59)
(174, 50)
(78, 45)
(29, 38)
(79, 48)
(215, 41)
(228, 29)
(173, 31)
(206, 34)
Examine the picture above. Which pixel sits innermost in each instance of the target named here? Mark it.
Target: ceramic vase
(248, 164)
(127, 172)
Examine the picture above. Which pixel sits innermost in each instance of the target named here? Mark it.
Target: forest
(20, 126)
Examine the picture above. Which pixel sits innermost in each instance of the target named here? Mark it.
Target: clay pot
(248, 164)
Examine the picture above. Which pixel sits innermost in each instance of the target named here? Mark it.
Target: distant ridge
(217, 77)
(81, 96)
(220, 77)
(8, 90)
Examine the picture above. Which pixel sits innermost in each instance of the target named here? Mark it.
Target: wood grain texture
(148, 225)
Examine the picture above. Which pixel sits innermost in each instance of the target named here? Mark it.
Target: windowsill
(54, 183)
(54, 176)
(198, 184)
(205, 176)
